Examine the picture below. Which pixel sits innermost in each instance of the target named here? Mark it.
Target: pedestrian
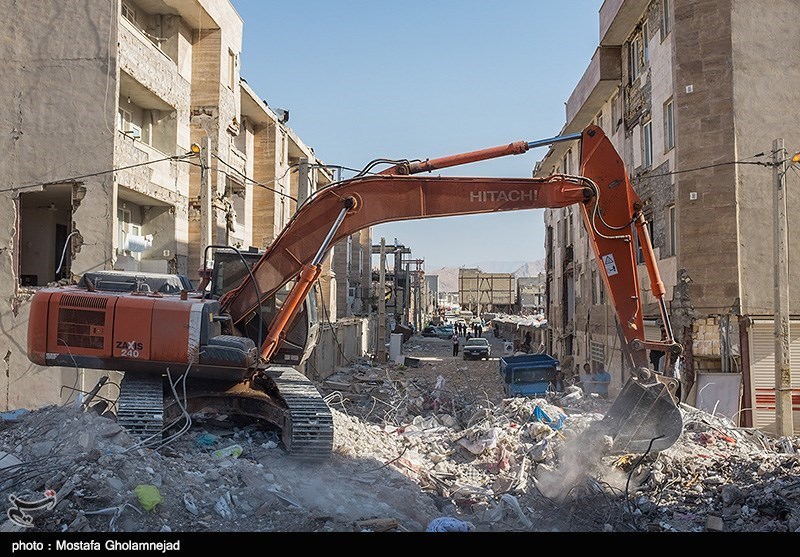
(587, 379)
(602, 378)
(454, 340)
(496, 330)
(469, 335)
(559, 381)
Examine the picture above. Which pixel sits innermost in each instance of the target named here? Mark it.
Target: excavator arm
(644, 416)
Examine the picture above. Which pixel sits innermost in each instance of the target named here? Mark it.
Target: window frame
(634, 50)
(672, 230)
(231, 70)
(647, 144)
(127, 10)
(666, 18)
(669, 125)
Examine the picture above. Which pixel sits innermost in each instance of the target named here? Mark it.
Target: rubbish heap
(410, 454)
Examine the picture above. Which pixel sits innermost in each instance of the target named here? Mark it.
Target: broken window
(45, 223)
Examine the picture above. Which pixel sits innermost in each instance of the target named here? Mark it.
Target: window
(634, 58)
(594, 287)
(128, 13)
(126, 125)
(671, 230)
(669, 125)
(600, 120)
(125, 231)
(647, 144)
(645, 43)
(231, 70)
(123, 120)
(568, 162)
(666, 25)
(615, 119)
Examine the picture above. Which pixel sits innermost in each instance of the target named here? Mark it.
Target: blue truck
(529, 375)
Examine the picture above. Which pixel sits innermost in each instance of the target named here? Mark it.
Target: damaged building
(132, 146)
(682, 89)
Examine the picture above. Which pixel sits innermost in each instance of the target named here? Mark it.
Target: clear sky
(367, 79)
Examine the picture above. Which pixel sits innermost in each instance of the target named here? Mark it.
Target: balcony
(618, 18)
(151, 67)
(596, 86)
(167, 181)
(601, 78)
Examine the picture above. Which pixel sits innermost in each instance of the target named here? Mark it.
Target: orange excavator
(235, 345)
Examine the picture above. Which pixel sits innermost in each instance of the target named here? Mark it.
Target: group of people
(461, 329)
(596, 381)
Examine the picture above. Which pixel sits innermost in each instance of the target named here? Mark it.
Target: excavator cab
(300, 337)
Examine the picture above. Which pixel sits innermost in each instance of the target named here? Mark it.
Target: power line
(93, 174)
(705, 167)
(249, 179)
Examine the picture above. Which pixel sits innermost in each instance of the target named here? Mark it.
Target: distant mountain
(530, 269)
(498, 266)
(448, 276)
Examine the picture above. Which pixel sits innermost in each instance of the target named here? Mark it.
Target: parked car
(430, 331)
(445, 331)
(477, 348)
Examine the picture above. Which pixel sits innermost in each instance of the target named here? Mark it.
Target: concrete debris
(411, 446)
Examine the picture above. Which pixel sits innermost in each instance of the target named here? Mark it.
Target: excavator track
(308, 431)
(281, 396)
(140, 407)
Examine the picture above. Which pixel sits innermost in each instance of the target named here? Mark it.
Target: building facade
(693, 94)
(99, 171)
(481, 292)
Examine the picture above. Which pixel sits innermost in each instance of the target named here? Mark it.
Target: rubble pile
(413, 448)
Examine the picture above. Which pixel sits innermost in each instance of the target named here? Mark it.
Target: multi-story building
(693, 94)
(530, 295)
(480, 292)
(97, 172)
(352, 258)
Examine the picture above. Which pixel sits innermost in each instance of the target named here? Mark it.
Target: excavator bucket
(644, 417)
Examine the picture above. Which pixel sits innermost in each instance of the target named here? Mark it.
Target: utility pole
(303, 181)
(205, 195)
(381, 348)
(783, 370)
(418, 299)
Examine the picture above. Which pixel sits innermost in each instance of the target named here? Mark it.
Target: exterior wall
(708, 247)
(48, 141)
(763, 79)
